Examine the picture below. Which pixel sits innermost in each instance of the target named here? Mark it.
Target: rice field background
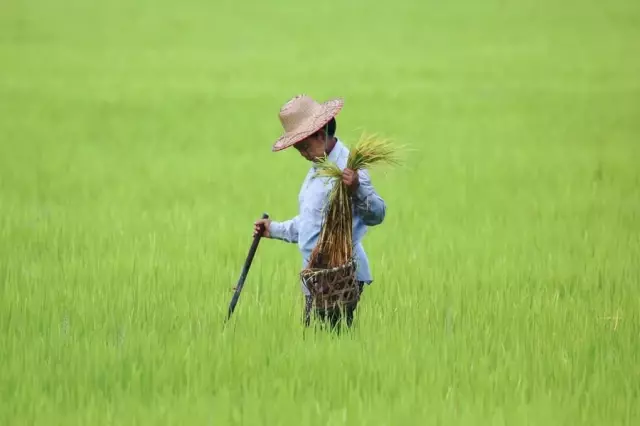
(135, 155)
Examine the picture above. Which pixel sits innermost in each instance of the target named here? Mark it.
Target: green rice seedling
(335, 246)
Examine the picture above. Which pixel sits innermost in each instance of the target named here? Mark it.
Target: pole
(245, 268)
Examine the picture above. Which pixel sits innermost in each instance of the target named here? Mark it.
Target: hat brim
(330, 109)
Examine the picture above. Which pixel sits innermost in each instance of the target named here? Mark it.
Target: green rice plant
(134, 162)
(335, 247)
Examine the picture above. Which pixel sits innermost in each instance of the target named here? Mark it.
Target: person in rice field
(310, 128)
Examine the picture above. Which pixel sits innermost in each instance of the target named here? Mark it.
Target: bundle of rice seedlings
(334, 249)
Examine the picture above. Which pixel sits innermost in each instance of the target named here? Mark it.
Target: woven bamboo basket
(332, 288)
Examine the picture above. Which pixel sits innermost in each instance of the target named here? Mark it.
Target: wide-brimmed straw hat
(302, 116)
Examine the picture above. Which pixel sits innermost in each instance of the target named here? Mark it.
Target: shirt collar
(335, 153)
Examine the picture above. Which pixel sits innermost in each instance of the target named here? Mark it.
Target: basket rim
(319, 271)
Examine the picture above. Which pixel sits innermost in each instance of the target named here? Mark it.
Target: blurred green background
(135, 155)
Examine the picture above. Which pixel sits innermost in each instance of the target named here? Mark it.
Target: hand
(351, 179)
(266, 223)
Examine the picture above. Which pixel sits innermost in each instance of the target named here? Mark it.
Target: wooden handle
(245, 268)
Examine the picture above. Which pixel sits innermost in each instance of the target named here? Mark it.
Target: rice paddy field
(135, 155)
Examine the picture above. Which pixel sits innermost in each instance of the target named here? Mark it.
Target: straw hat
(302, 116)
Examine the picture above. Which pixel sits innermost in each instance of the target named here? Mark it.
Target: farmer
(310, 128)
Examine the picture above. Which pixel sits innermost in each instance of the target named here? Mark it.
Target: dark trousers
(332, 316)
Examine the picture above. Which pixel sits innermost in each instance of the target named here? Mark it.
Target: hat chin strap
(326, 138)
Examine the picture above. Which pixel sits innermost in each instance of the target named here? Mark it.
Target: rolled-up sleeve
(286, 231)
(368, 204)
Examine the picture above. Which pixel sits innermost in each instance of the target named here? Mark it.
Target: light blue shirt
(304, 229)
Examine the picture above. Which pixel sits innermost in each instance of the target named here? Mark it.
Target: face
(311, 148)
